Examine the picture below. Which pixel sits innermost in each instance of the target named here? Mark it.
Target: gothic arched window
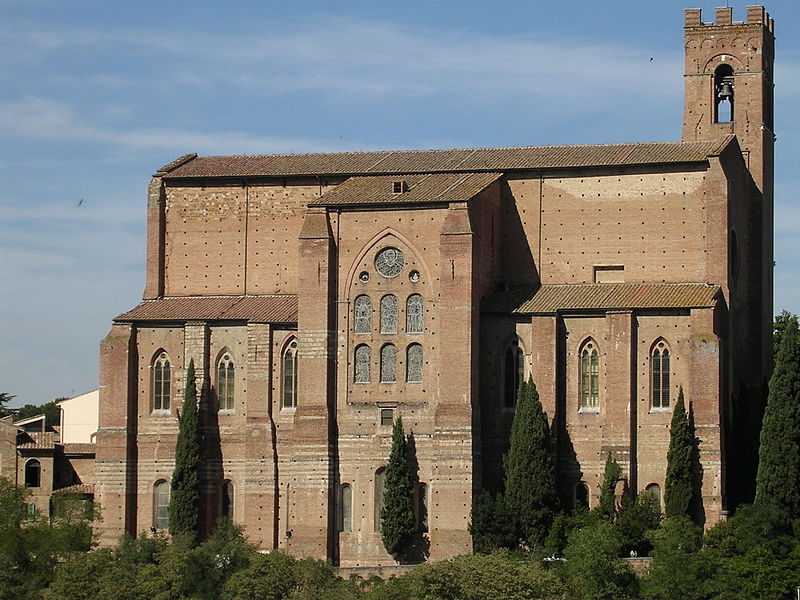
(161, 504)
(414, 363)
(225, 380)
(363, 314)
(162, 380)
(361, 364)
(654, 492)
(290, 375)
(33, 473)
(414, 314)
(389, 363)
(389, 314)
(590, 376)
(659, 362)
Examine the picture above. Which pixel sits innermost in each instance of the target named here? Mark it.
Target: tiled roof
(78, 488)
(261, 309)
(427, 188)
(78, 448)
(549, 299)
(45, 440)
(433, 161)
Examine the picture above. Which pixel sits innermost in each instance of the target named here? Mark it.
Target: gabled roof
(419, 189)
(37, 440)
(550, 299)
(276, 308)
(442, 161)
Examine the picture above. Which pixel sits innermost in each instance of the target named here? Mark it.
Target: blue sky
(95, 96)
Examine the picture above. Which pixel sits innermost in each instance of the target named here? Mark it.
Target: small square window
(387, 416)
(398, 187)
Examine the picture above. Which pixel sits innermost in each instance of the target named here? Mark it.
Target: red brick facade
(581, 266)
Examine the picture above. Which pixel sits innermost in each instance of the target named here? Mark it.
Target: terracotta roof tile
(39, 440)
(78, 488)
(428, 188)
(261, 309)
(432, 161)
(549, 299)
(78, 448)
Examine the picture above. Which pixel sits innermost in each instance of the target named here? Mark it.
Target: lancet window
(590, 376)
(162, 381)
(414, 314)
(361, 364)
(414, 363)
(389, 363)
(225, 382)
(363, 314)
(389, 314)
(660, 374)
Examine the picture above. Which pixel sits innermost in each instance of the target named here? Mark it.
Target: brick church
(321, 296)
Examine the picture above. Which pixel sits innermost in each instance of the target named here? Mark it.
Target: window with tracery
(660, 375)
(290, 375)
(389, 364)
(389, 262)
(225, 382)
(161, 505)
(414, 363)
(363, 314)
(590, 376)
(162, 376)
(414, 319)
(389, 314)
(361, 364)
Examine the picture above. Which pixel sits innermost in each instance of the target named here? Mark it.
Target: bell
(725, 90)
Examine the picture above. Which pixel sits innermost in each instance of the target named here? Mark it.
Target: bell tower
(729, 86)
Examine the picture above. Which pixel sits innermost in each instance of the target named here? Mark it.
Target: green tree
(778, 479)
(635, 519)
(677, 570)
(530, 477)
(492, 524)
(5, 398)
(779, 326)
(50, 410)
(184, 502)
(679, 483)
(397, 512)
(611, 476)
(594, 569)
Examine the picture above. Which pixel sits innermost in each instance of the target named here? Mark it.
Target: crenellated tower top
(729, 85)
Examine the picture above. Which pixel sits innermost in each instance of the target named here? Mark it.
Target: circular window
(389, 262)
(414, 276)
(364, 277)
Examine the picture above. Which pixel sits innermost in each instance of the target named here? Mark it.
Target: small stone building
(323, 295)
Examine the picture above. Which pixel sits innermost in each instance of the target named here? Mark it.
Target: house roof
(39, 440)
(78, 488)
(439, 161)
(78, 448)
(277, 308)
(418, 189)
(550, 299)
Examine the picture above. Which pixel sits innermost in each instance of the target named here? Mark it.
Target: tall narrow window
(290, 375)
(414, 363)
(363, 314)
(660, 375)
(345, 508)
(226, 510)
(414, 314)
(162, 376)
(654, 492)
(33, 473)
(389, 364)
(362, 363)
(389, 314)
(513, 373)
(379, 486)
(161, 505)
(421, 507)
(225, 379)
(590, 376)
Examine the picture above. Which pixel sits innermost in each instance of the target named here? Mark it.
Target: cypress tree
(184, 501)
(778, 479)
(397, 512)
(678, 487)
(530, 476)
(611, 475)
